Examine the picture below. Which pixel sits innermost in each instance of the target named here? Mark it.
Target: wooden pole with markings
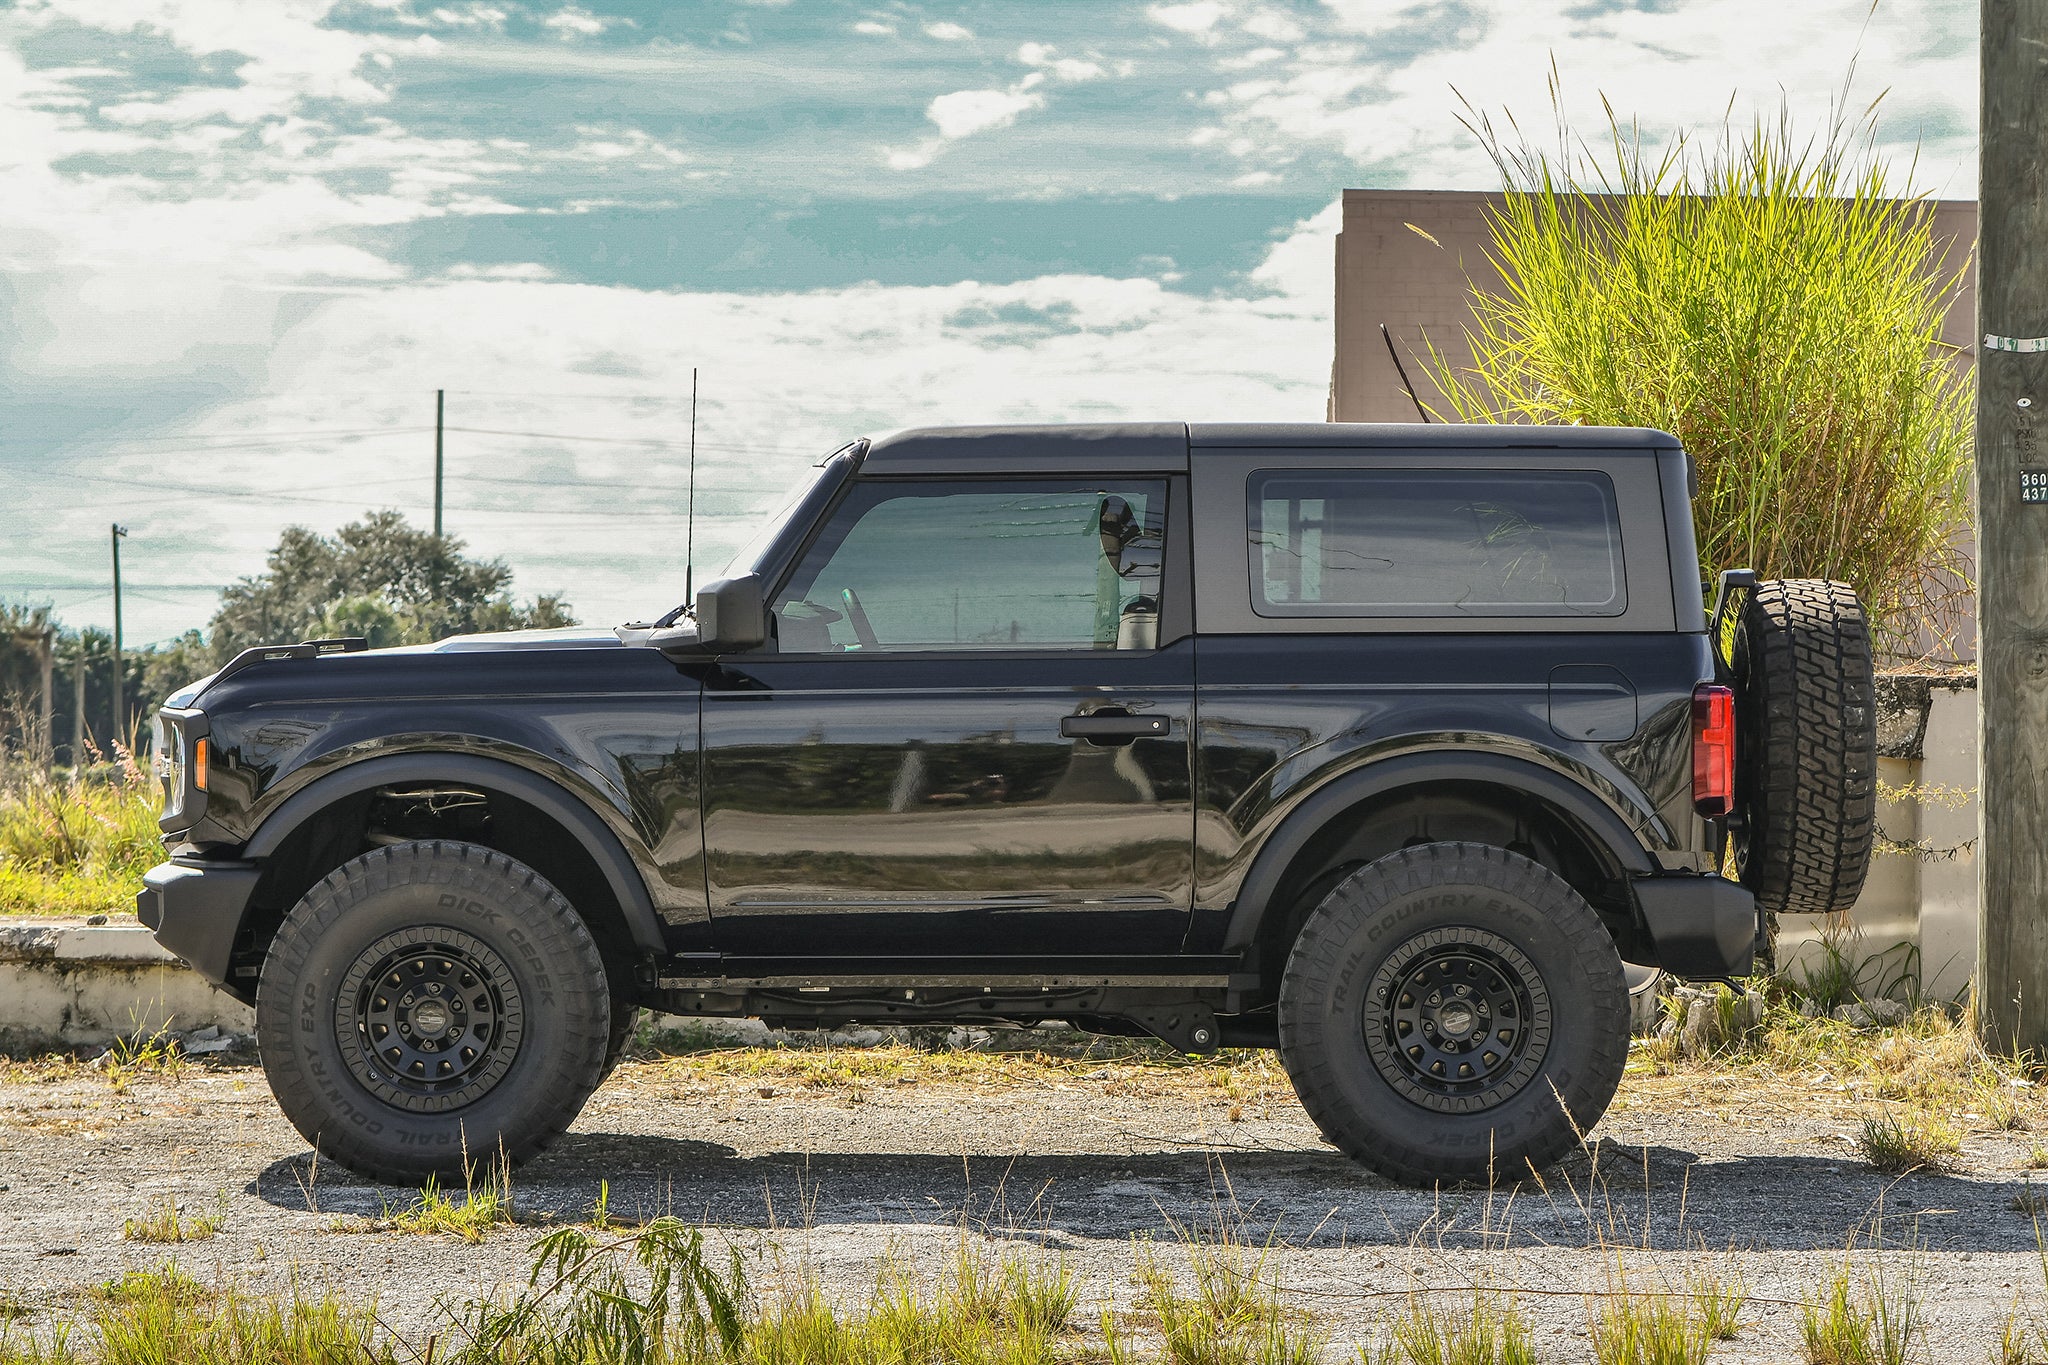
(2012, 527)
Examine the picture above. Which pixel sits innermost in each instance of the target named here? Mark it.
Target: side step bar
(712, 972)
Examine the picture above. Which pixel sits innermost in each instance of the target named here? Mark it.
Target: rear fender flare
(597, 838)
(1605, 828)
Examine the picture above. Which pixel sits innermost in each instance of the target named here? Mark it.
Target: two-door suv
(1383, 745)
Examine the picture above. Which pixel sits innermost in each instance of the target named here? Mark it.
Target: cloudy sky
(245, 240)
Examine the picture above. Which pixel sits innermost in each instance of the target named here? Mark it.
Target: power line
(243, 435)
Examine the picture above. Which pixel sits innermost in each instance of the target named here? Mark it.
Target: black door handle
(1114, 727)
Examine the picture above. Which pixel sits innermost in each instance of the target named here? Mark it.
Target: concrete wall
(1918, 911)
(74, 984)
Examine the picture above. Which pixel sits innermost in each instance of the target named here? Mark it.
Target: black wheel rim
(1458, 1020)
(429, 1019)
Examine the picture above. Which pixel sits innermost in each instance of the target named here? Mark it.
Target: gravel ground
(1757, 1179)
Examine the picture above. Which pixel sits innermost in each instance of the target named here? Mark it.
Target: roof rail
(305, 649)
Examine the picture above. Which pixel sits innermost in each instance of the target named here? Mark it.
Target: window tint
(977, 565)
(1413, 542)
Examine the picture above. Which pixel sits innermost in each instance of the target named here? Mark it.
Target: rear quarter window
(1435, 542)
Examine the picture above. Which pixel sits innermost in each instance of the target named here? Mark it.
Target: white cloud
(575, 21)
(963, 113)
(873, 29)
(1198, 16)
(947, 31)
(291, 54)
(1388, 106)
(1071, 69)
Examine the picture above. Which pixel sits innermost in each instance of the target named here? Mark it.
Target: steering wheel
(858, 616)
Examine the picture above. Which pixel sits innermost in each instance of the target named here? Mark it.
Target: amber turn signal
(199, 765)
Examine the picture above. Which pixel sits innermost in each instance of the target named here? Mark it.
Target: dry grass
(1009, 1060)
(1931, 1063)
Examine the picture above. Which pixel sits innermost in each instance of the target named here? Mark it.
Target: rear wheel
(1454, 1012)
(432, 1005)
(1806, 746)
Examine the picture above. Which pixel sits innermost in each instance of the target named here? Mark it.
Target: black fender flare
(1306, 820)
(550, 798)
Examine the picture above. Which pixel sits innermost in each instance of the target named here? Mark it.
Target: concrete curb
(66, 984)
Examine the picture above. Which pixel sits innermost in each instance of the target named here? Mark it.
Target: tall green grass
(76, 844)
(1775, 302)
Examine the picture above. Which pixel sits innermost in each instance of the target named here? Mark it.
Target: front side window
(974, 565)
(1414, 542)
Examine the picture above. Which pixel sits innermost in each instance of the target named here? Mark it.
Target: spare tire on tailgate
(1805, 746)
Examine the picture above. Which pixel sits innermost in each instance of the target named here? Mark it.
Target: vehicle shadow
(1613, 1195)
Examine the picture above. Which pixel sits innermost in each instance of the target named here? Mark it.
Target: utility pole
(78, 707)
(46, 739)
(440, 408)
(2012, 527)
(120, 730)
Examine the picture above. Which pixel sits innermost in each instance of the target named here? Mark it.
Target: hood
(566, 637)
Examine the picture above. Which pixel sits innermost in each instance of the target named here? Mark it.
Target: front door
(968, 740)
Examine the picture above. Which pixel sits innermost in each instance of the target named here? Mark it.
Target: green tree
(1773, 303)
(379, 578)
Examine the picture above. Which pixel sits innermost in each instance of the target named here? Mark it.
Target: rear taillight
(1713, 749)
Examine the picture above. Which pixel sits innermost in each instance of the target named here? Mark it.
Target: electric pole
(440, 407)
(120, 731)
(78, 707)
(46, 739)
(2012, 527)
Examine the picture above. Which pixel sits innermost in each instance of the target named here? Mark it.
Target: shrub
(1774, 304)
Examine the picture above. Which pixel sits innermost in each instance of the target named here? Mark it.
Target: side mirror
(731, 615)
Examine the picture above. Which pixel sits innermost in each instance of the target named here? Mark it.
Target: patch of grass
(77, 846)
(2029, 1201)
(165, 1284)
(1649, 1329)
(661, 1296)
(1717, 1302)
(470, 1217)
(164, 1316)
(1921, 1140)
(142, 1052)
(1875, 1323)
(165, 1223)
(1235, 1314)
(1488, 1331)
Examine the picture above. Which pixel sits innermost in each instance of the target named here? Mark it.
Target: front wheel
(430, 1006)
(1454, 1012)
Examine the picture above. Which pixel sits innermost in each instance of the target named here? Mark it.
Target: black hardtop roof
(1164, 445)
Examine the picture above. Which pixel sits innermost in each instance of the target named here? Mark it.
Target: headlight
(181, 760)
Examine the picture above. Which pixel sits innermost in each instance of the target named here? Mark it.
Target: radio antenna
(690, 516)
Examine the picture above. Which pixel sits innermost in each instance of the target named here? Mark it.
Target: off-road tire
(542, 981)
(1432, 898)
(1805, 746)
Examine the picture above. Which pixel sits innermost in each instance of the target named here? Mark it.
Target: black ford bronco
(1385, 746)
